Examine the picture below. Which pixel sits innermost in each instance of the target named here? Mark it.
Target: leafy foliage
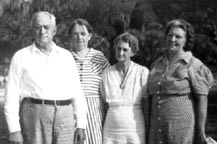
(144, 18)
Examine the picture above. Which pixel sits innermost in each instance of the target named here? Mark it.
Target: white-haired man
(43, 93)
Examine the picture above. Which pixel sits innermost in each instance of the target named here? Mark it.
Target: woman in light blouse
(124, 91)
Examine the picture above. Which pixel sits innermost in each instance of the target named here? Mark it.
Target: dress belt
(115, 105)
(48, 102)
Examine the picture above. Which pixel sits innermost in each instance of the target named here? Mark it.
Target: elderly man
(44, 94)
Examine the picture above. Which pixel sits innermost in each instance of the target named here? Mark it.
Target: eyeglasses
(39, 28)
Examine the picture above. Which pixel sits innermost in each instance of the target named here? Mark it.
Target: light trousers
(47, 124)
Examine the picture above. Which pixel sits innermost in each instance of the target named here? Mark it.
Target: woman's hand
(201, 137)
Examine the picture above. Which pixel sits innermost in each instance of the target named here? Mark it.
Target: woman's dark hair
(187, 27)
(128, 38)
(81, 22)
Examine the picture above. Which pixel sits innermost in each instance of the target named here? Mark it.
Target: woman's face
(175, 39)
(123, 51)
(80, 37)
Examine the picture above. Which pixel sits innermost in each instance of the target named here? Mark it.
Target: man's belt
(48, 102)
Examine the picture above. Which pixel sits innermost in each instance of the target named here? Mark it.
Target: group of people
(91, 102)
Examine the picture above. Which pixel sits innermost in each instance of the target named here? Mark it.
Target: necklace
(124, 77)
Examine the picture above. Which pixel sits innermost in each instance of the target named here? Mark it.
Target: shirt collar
(186, 57)
(35, 49)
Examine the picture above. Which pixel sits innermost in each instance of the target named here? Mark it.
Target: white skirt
(124, 125)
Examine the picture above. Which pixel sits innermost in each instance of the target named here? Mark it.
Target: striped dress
(90, 69)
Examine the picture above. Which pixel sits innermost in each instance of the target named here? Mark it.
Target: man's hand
(16, 138)
(79, 136)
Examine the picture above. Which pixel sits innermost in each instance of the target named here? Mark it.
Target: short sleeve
(201, 79)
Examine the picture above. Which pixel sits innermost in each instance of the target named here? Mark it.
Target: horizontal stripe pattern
(90, 69)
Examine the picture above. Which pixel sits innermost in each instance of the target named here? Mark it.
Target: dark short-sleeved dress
(171, 89)
(90, 69)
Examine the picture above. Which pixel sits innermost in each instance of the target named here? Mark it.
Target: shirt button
(158, 98)
(158, 92)
(158, 106)
(160, 142)
(159, 130)
(159, 118)
(159, 83)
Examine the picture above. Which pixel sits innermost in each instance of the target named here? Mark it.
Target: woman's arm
(201, 114)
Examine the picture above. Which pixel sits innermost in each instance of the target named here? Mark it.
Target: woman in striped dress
(90, 64)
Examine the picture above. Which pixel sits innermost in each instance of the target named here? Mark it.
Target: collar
(35, 49)
(186, 57)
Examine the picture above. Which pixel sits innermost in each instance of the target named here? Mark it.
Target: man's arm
(79, 104)
(12, 101)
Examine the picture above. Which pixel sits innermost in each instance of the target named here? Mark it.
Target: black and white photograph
(108, 72)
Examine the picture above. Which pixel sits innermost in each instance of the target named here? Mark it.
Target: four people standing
(123, 89)
(90, 64)
(45, 104)
(179, 85)
(43, 91)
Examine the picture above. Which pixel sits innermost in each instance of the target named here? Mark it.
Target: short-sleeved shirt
(188, 74)
(124, 120)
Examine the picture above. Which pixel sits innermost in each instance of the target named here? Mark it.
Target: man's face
(44, 30)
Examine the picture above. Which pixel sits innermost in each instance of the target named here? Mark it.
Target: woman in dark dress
(178, 85)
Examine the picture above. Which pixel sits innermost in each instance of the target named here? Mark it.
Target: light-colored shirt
(53, 77)
(134, 85)
(125, 122)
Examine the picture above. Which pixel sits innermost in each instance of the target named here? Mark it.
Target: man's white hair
(51, 16)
